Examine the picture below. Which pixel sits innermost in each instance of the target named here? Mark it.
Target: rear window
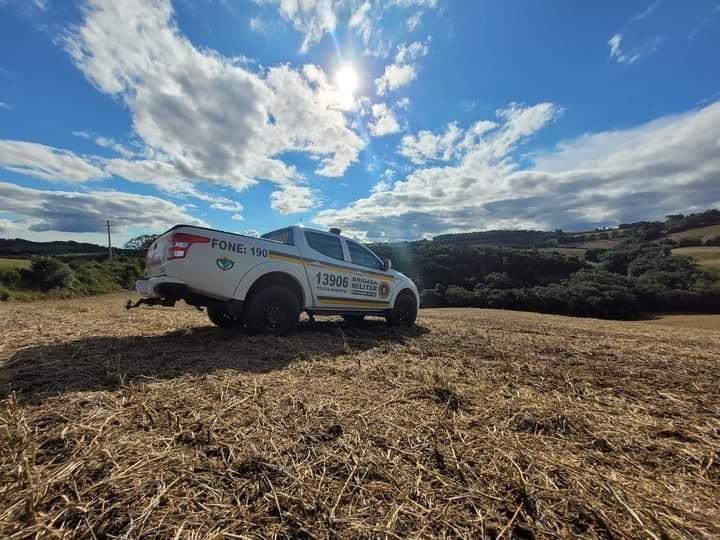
(284, 236)
(325, 244)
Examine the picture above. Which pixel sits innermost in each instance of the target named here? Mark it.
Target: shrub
(10, 277)
(430, 298)
(593, 254)
(714, 241)
(47, 273)
(689, 242)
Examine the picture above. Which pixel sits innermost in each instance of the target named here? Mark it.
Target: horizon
(396, 120)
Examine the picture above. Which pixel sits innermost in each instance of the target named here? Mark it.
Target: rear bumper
(158, 287)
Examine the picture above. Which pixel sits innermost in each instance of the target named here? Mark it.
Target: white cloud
(404, 70)
(258, 25)
(409, 53)
(204, 113)
(313, 18)
(4, 105)
(86, 212)
(414, 3)
(46, 162)
(237, 217)
(394, 77)
(385, 122)
(453, 143)
(107, 142)
(403, 103)
(8, 226)
(646, 12)
(50, 163)
(360, 18)
(622, 57)
(427, 146)
(292, 199)
(665, 166)
(227, 206)
(414, 21)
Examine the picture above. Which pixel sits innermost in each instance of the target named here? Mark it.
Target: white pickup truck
(265, 283)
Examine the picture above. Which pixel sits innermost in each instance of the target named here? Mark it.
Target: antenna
(108, 223)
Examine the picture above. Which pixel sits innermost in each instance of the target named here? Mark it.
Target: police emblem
(225, 264)
(384, 289)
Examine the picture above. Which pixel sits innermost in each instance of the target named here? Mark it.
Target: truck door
(370, 284)
(329, 274)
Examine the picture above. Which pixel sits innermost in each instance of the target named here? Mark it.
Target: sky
(393, 119)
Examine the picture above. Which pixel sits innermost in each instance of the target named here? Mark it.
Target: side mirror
(387, 264)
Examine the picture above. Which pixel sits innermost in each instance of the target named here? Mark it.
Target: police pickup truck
(265, 283)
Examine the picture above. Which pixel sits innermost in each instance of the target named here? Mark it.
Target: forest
(635, 276)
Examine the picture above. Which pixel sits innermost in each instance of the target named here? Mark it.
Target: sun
(347, 81)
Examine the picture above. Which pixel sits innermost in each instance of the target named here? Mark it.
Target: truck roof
(294, 227)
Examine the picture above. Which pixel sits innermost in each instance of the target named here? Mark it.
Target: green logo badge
(225, 264)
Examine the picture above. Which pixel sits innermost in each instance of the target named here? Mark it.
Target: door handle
(315, 263)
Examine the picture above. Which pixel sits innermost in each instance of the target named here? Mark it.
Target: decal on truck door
(225, 264)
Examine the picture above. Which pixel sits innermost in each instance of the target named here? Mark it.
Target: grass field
(704, 233)
(706, 256)
(476, 423)
(14, 263)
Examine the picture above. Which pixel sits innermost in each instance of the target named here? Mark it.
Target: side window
(284, 236)
(325, 244)
(363, 256)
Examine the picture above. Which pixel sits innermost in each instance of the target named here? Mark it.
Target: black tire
(274, 310)
(355, 318)
(219, 316)
(404, 312)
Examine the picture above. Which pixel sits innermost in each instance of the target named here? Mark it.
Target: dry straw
(476, 424)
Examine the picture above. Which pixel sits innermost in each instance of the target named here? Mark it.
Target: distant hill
(704, 226)
(18, 247)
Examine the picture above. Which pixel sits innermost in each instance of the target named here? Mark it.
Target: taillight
(180, 244)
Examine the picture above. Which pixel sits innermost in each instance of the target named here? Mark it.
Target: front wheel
(274, 310)
(219, 316)
(404, 312)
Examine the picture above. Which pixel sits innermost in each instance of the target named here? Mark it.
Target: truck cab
(265, 283)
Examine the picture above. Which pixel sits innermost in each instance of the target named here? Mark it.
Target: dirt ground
(476, 423)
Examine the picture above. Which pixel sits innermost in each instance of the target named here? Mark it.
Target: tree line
(623, 282)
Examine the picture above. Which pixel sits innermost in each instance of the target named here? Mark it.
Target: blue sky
(398, 119)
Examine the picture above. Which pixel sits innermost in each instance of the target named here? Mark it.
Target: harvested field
(704, 233)
(708, 257)
(477, 423)
(14, 263)
(699, 322)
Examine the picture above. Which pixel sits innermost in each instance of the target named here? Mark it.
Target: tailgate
(156, 256)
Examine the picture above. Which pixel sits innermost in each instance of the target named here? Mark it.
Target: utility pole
(108, 223)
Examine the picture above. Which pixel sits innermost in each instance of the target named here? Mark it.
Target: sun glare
(347, 81)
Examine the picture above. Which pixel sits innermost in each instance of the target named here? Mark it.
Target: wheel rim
(403, 313)
(274, 314)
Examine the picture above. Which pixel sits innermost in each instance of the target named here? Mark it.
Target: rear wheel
(219, 316)
(404, 312)
(273, 310)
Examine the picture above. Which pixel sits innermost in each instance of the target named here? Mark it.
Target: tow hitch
(167, 302)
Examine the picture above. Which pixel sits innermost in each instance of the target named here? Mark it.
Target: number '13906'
(332, 280)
